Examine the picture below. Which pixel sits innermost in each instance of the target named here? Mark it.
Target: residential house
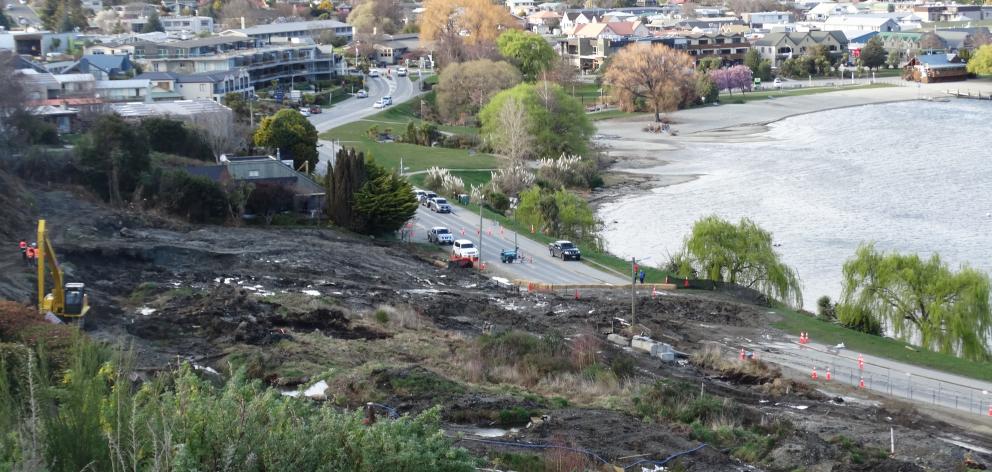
(570, 19)
(205, 85)
(777, 47)
(174, 24)
(282, 32)
(35, 43)
(954, 12)
(392, 48)
(62, 116)
(521, 7)
(708, 25)
(206, 113)
(135, 10)
(729, 47)
(308, 194)
(109, 49)
(614, 30)
(860, 23)
(75, 85)
(37, 85)
(543, 21)
(102, 66)
(762, 18)
(928, 68)
(908, 41)
(130, 90)
(92, 5)
(825, 10)
(589, 54)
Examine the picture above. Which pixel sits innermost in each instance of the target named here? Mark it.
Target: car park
(439, 205)
(565, 250)
(440, 235)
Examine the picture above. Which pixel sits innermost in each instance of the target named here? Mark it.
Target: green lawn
(470, 177)
(414, 157)
(766, 94)
(829, 333)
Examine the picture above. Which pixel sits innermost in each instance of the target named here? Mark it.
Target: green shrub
(516, 416)
(196, 198)
(175, 137)
(381, 316)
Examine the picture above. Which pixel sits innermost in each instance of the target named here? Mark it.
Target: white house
(861, 23)
(614, 30)
(763, 18)
(827, 9)
(521, 7)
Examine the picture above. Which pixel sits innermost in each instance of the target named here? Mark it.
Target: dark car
(565, 250)
(315, 109)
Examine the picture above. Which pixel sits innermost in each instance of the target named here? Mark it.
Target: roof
(772, 39)
(276, 28)
(106, 61)
(119, 84)
(858, 20)
(155, 75)
(543, 15)
(67, 78)
(215, 172)
(939, 61)
(208, 77)
(177, 108)
(208, 41)
(269, 169)
(45, 79)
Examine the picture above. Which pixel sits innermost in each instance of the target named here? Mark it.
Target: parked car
(426, 199)
(401, 71)
(373, 73)
(362, 94)
(565, 250)
(315, 109)
(440, 235)
(439, 205)
(777, 82)
(464, 248)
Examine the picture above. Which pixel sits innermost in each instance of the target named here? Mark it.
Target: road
(18, 11)
(537, 264)
(884, 376)
(354, 109)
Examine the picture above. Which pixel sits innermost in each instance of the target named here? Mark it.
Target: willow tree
(921, 300)
(741, 254)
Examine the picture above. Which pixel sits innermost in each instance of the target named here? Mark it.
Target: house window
(702, 42)
(719, 41)
(253, 173)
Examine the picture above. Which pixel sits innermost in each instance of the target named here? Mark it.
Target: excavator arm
(55, 302)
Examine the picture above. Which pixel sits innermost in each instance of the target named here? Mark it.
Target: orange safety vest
(30, 253)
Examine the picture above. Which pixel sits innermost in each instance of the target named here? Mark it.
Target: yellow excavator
(69, 302)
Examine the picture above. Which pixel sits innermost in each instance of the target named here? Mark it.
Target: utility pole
(480, 232)
(633, 281)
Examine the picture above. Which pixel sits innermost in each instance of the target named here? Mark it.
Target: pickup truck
(465, 249)
(440, 235)
(565, 250)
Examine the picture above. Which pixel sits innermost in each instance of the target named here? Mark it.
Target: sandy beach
(635, 150)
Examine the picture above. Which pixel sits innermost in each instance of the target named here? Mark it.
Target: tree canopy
(530, 52)
(115, 155)
(153, 24)
(463, 88)
(660, 76)
(559, 213)
(873, 54)
(741, 254)
(558, 123)
(292, 134)
(385, 202)
(476, 20)
(920, 299)
(981, 61)
(380, 16)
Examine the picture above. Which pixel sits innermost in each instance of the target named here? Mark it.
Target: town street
(354, 109)
(536, 265)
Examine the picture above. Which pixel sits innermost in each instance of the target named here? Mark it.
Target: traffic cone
(741, 357)
(530, 286)
(861, 384)
(654, 291)
(828, 374)
(531, 229)
(666, 279)
(861, 362)
(576, 294)
(990, 410)
(686, 283)
(463, 231)
(813, 374)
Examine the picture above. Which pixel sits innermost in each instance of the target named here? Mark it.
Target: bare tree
(930, 41)
(515, 141)
(653, 73)
(12, 100)
(106, 21)
(978, 39)
(224, 134)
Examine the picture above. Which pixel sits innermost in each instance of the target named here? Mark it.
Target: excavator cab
(68, 302)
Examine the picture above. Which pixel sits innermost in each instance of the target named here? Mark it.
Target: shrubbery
(196, 198)
(175, 137)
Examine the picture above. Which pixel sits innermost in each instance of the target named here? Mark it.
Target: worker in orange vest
(30, 252)
(24, 250)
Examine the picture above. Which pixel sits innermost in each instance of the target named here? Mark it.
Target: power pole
(480, 232)
(633, 281)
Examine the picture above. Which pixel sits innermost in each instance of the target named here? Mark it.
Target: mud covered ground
(378, 322)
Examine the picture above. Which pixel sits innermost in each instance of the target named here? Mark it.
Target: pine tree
(349, 175)
(385, 202)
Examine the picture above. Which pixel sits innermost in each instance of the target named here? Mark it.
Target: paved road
(538, 265)
(884, 376)
(354, 109)
(18, 11)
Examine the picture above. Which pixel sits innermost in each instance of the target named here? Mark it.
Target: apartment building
(283, 32)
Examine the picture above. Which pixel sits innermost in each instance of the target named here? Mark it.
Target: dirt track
(291, 303)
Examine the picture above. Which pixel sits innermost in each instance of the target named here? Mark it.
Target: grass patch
(829, 333)
(414, 157)
(470, 177)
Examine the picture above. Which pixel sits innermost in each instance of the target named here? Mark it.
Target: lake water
(912, 177)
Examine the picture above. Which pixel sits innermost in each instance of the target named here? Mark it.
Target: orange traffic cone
(463, 231)
(686, 283)
(828, 374)
(742, 354)
(813, 375)
(576, 294)
(861, 384)
(530, 286)
(654, 291)
(489, 232)
(531, 229)
(990, 410)
(861, 362)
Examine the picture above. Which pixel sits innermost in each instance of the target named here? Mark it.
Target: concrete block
(643, 343)
(667, 356)
(617, 339)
